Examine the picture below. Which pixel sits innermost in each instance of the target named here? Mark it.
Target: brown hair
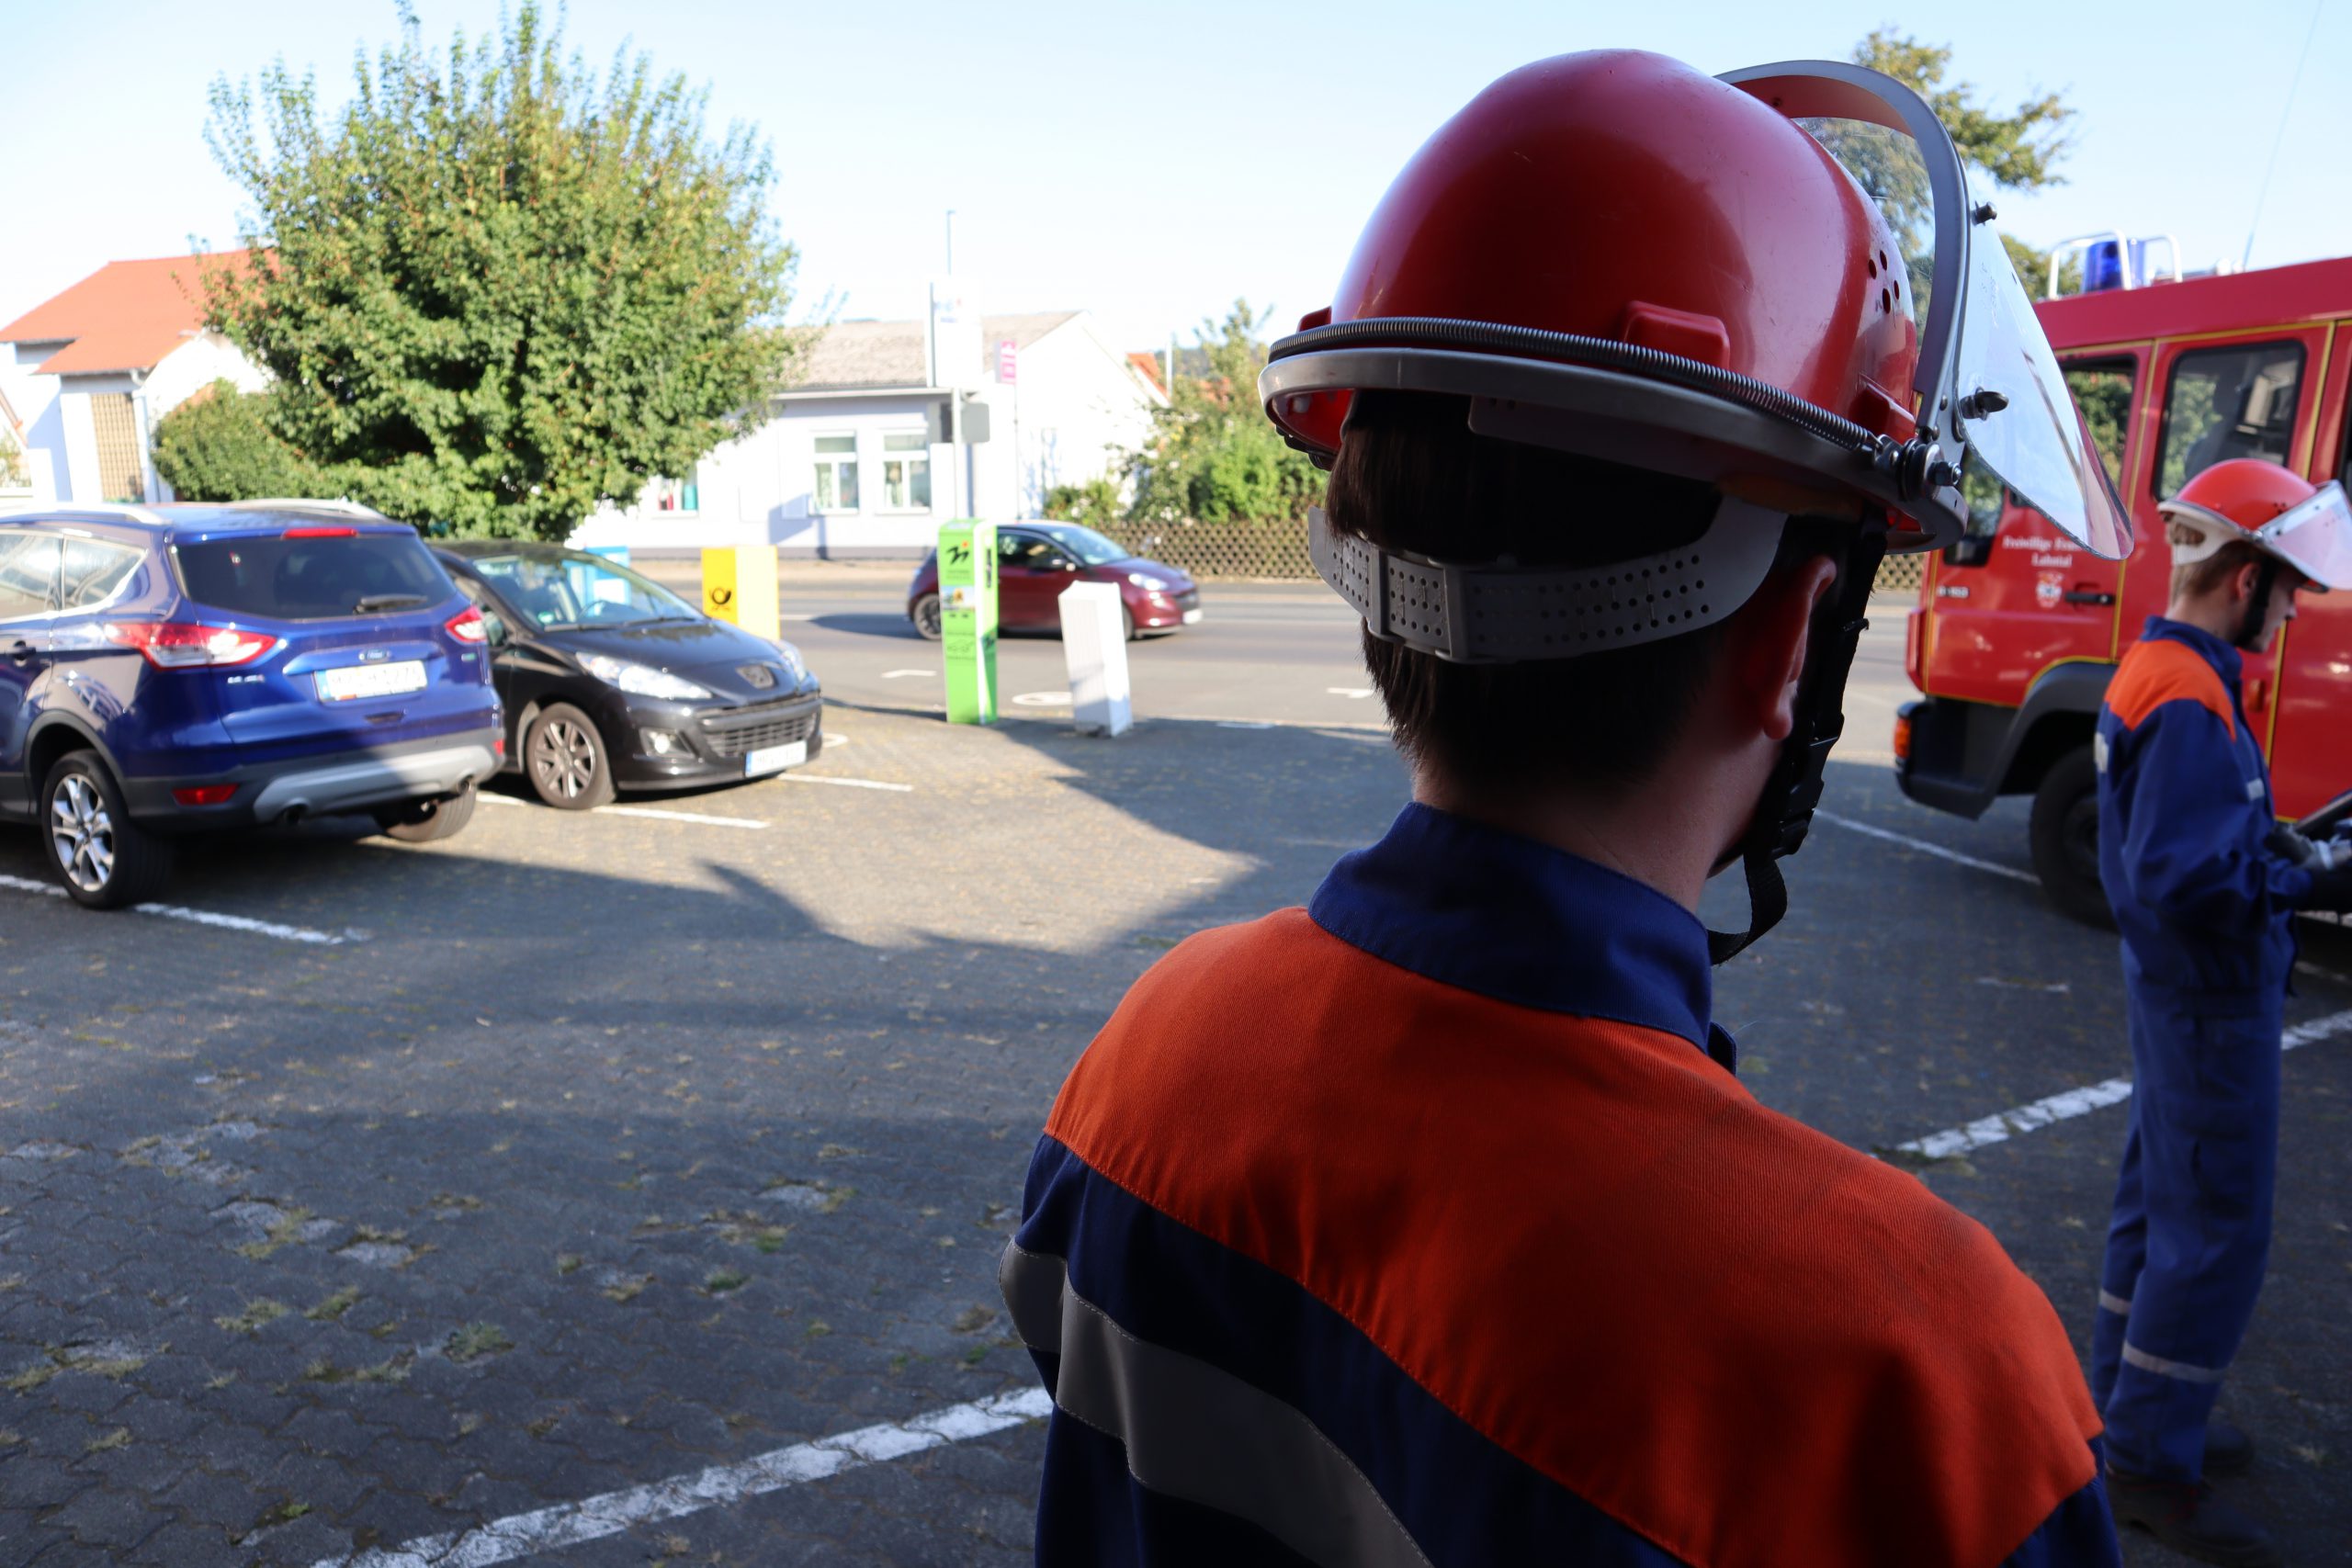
(1411, 475)
(2199, 578)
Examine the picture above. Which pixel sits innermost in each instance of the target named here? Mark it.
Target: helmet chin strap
(1784, 811)
(2257, 610)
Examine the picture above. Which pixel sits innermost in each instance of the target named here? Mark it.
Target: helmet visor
(2314, 537)
(2012, 407)
(1989, 387)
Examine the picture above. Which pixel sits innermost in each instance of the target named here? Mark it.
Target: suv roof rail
(316, 503)
(78, 509)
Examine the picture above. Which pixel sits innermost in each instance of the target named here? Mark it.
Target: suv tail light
(466, 626)
(181, 645)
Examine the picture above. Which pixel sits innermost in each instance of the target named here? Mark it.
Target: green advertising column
(968, 618)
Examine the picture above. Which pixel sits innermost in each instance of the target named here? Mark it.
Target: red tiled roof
(1147, 363)
(125, 316)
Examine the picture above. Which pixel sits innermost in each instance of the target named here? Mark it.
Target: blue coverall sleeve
(2080, 1533)
(2193, 845)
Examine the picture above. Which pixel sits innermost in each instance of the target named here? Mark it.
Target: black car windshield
(1090, 547)
(559, 589)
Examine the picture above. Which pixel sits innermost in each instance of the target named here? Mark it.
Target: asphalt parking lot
(627, 1187)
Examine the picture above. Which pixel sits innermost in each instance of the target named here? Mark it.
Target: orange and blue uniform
(1429, 1225)
(2207, 914)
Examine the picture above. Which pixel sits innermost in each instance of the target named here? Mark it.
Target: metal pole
(956, 423)
(951, 242)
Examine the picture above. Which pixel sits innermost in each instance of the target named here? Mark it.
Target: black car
(609, 679)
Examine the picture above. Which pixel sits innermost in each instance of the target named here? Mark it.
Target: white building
(844, 467)
(89, 372)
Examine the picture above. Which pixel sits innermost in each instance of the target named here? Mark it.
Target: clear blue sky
(1150, 162)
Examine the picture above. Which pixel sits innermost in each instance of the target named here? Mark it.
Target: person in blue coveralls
(1429, 1223)
(2205, 884)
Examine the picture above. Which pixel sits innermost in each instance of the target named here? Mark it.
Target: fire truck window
(2228, 402)
(2103, 391)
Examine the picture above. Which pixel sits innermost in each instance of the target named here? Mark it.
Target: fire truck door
(2015, 596)
(2253, 394)
(2310, 726)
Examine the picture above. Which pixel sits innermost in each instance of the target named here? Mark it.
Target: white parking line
(1926, 848)
(845, 784)
(1354, 694)
(593, 1518)
(198, 916)
(2074, 1103)
(1043, 700)
(667, 816)
(903, 674)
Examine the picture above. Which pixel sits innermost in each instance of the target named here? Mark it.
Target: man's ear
(1779, 633)
(2249, 583)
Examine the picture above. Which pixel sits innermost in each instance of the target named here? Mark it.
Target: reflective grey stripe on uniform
(1195, 1431)
(2179, 1370)
(2115, 1304)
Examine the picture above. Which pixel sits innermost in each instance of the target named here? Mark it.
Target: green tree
(1095, 504)
(2018, 150)
(1212, 455)
(498, 288)
(218, 445)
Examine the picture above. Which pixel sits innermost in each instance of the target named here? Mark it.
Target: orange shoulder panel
(2160, 671)
(1739, 1338)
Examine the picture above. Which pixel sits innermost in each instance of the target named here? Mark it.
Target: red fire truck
(2017, 631)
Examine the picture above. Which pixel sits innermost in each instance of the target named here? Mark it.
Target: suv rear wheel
(105, 859)
(2065, 834)
(428, 821)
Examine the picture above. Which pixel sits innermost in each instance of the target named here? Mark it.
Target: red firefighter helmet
(1617, 255)
(2294, 521)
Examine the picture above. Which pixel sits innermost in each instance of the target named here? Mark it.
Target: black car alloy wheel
(565, 758)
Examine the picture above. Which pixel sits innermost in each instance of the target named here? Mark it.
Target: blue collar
(1476, 907)
(2212, 649)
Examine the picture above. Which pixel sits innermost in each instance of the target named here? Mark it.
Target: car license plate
(354, 682)
(1191, 617)
(774, 759)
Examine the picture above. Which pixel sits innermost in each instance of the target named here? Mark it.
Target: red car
(1036, 560)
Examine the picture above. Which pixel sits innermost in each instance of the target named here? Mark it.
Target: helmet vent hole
(1884, 302)
(1869, 266)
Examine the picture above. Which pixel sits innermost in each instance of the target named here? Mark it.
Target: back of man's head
(1412, 476)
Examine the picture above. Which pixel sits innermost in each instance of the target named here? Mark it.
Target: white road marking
(2074, 1103)
(903, 674)
(665, 815)
(1354, 693)
(1926, 848)
(593, 1518)
(1043, 700)
(845, 784)
(832, 740)
(199, 917)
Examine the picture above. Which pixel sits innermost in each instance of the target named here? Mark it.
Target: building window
(679, 495)
(906, 472)
(837, 473)
(115, 422)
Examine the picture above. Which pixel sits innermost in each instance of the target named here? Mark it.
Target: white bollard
(1094, 641)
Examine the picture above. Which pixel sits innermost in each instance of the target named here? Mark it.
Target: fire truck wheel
(2065, 839)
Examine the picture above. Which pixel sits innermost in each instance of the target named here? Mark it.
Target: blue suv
(185, 668)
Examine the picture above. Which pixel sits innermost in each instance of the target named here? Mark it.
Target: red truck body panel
(2252, 363)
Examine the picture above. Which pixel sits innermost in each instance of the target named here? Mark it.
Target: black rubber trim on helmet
(1532, 342)
(1784, 811)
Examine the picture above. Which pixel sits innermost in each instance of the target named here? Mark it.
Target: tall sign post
(968, 618)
